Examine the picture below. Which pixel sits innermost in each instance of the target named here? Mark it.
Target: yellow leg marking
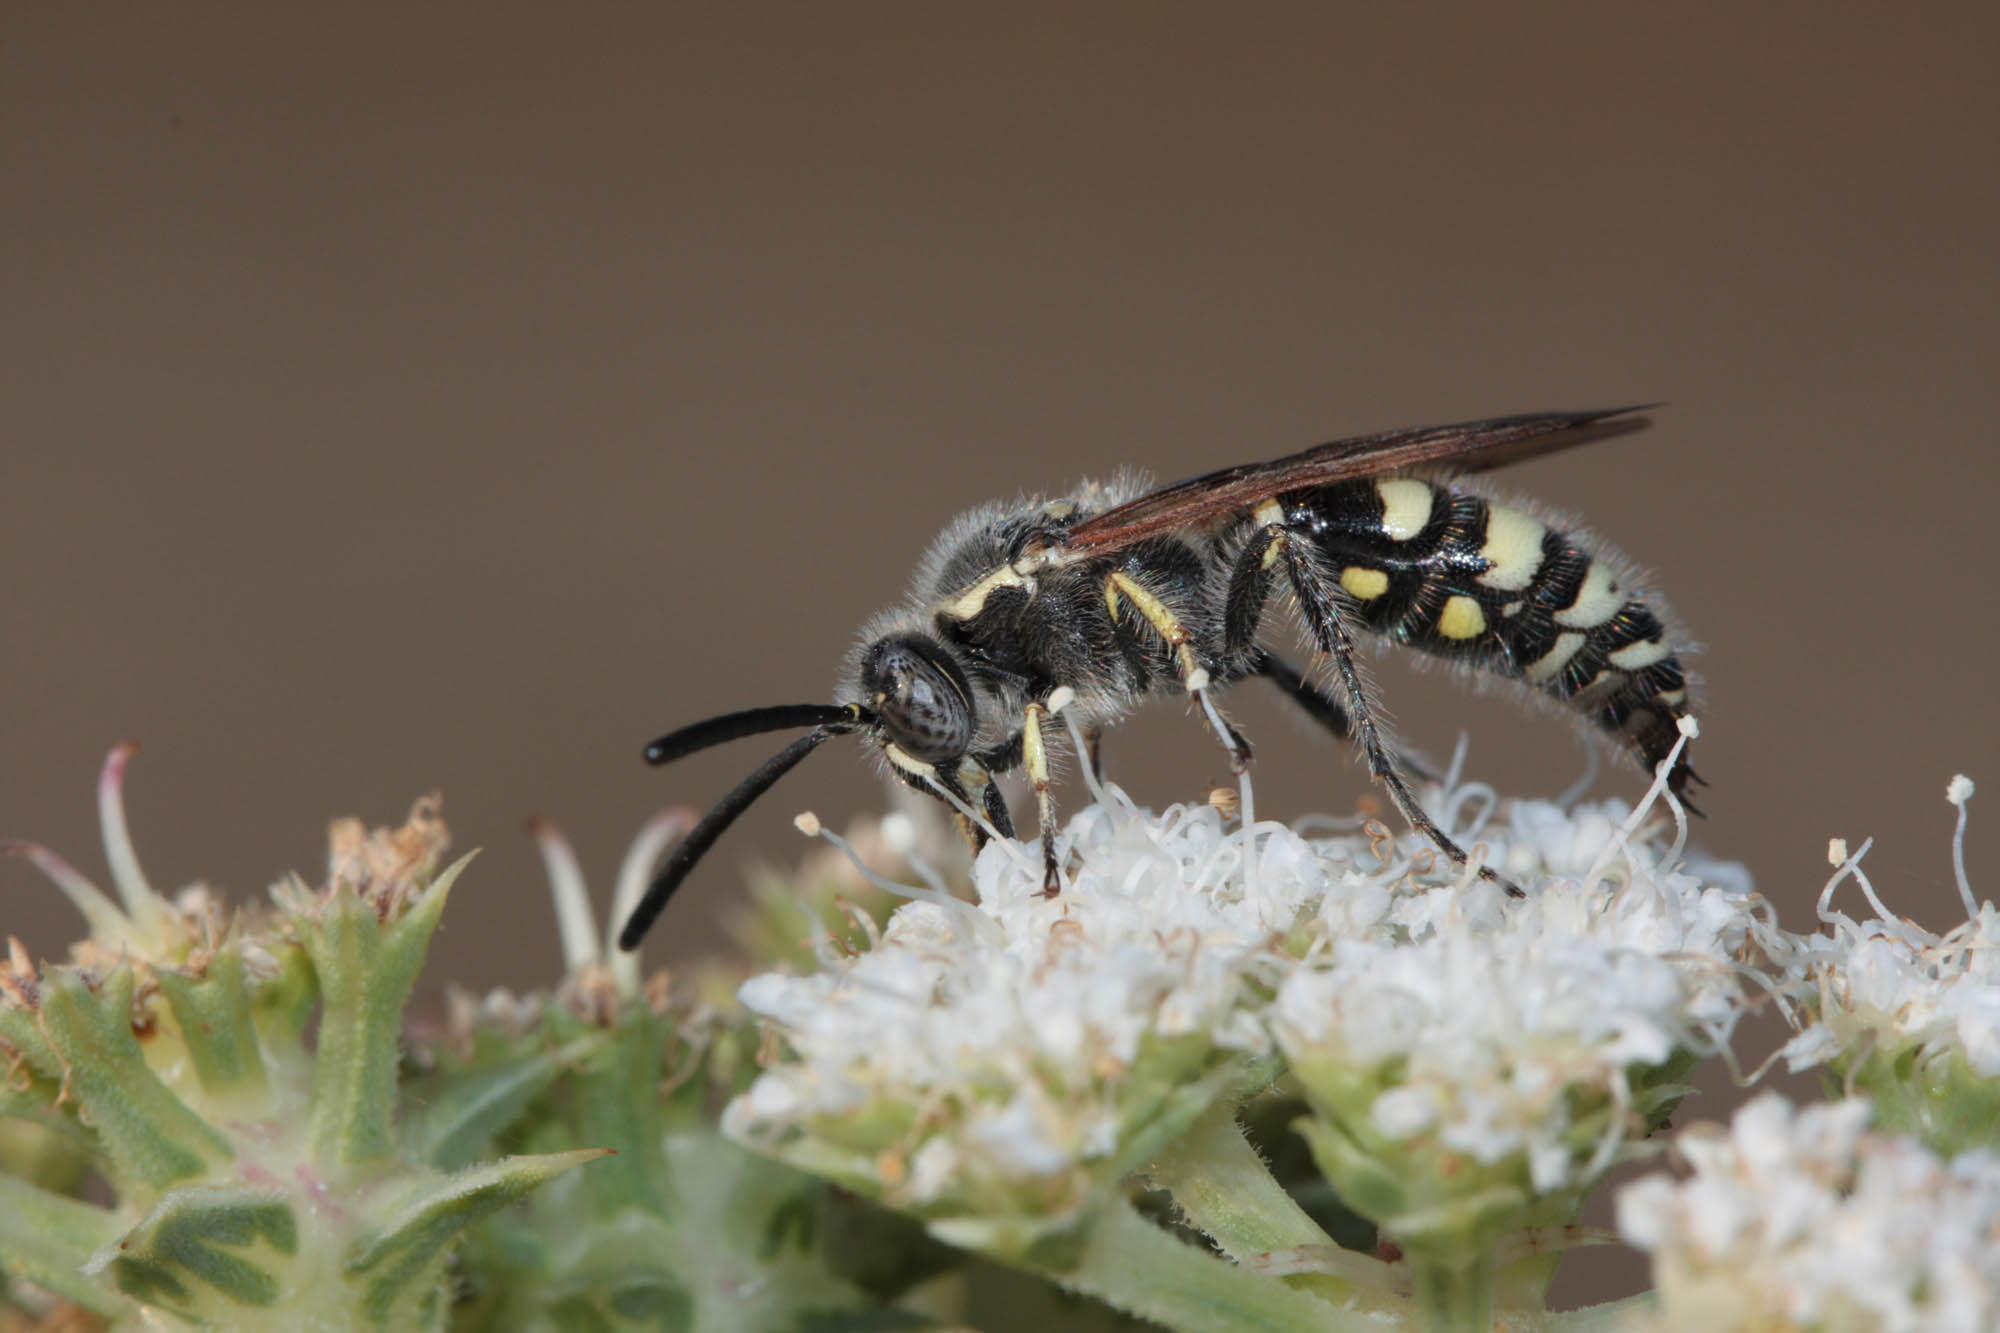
(1462, 618)
(1035, 758)
(1513, 547)
(1193, 675)
(1034, 754)
(1363, 582)
(1406, 507)
(1161, 618)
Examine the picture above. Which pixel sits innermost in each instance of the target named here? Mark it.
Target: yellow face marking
(1406, 507)
(1513, 547)
(1364, 582)
(1597, 600)
(909, 763)
(1556, 658)
(1462, 618)
(1635, 655)
(1270, 514)
(969, 603)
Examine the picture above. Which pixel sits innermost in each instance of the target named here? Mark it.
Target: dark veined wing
(1471, 446)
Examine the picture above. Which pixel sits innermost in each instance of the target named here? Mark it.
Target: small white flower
(1803, 1219)
(1881, 987)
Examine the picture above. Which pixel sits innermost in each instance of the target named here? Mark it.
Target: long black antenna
(751, 722)
(716, 821)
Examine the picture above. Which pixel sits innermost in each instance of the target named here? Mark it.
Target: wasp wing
(1471, 446)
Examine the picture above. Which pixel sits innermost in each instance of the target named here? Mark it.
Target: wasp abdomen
(1456, 575)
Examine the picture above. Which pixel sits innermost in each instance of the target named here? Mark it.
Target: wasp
(1087, 603)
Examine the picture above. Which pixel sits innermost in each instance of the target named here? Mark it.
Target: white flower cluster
(1884, 984)
(1026, 1036)
(1023, 1043)
(1804, 1220)
(1494, 1023)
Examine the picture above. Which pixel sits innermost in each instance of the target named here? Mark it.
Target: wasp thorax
(920, 695)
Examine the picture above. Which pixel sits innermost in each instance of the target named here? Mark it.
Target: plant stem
(1453, 1297)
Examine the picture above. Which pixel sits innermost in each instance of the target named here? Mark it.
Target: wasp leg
(1317, 704)
(997, 813)
(1320, 607)
(1243, 607)
(1120, 588)
(1035, 758)
(956, 790)
(1324, 709)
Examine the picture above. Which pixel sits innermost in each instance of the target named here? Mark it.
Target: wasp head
(920, 696)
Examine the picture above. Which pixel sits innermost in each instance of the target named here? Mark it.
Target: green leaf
(462, 1113)
(1132, 1265)
(1225, 1190)
(209, 1253)
(284, 1003)
(215, 1021)
(48, 1239)
(617, 1093)
(366, 968)
(153, 1137)
(402, 1261)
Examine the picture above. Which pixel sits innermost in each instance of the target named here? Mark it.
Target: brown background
(459, 395)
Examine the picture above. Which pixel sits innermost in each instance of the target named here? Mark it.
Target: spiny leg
(996, 809)
(1323, 708)
(1243, 608)
(1321, 609)
(1035, 758)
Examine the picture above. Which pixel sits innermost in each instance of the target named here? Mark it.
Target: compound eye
(923, 708)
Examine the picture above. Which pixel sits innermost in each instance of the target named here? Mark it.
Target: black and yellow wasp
(1086, 603)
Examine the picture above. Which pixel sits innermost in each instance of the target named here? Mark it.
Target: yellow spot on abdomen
(1406, 507)
(1363, 582)
(1513, 548)
(1462, 618)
